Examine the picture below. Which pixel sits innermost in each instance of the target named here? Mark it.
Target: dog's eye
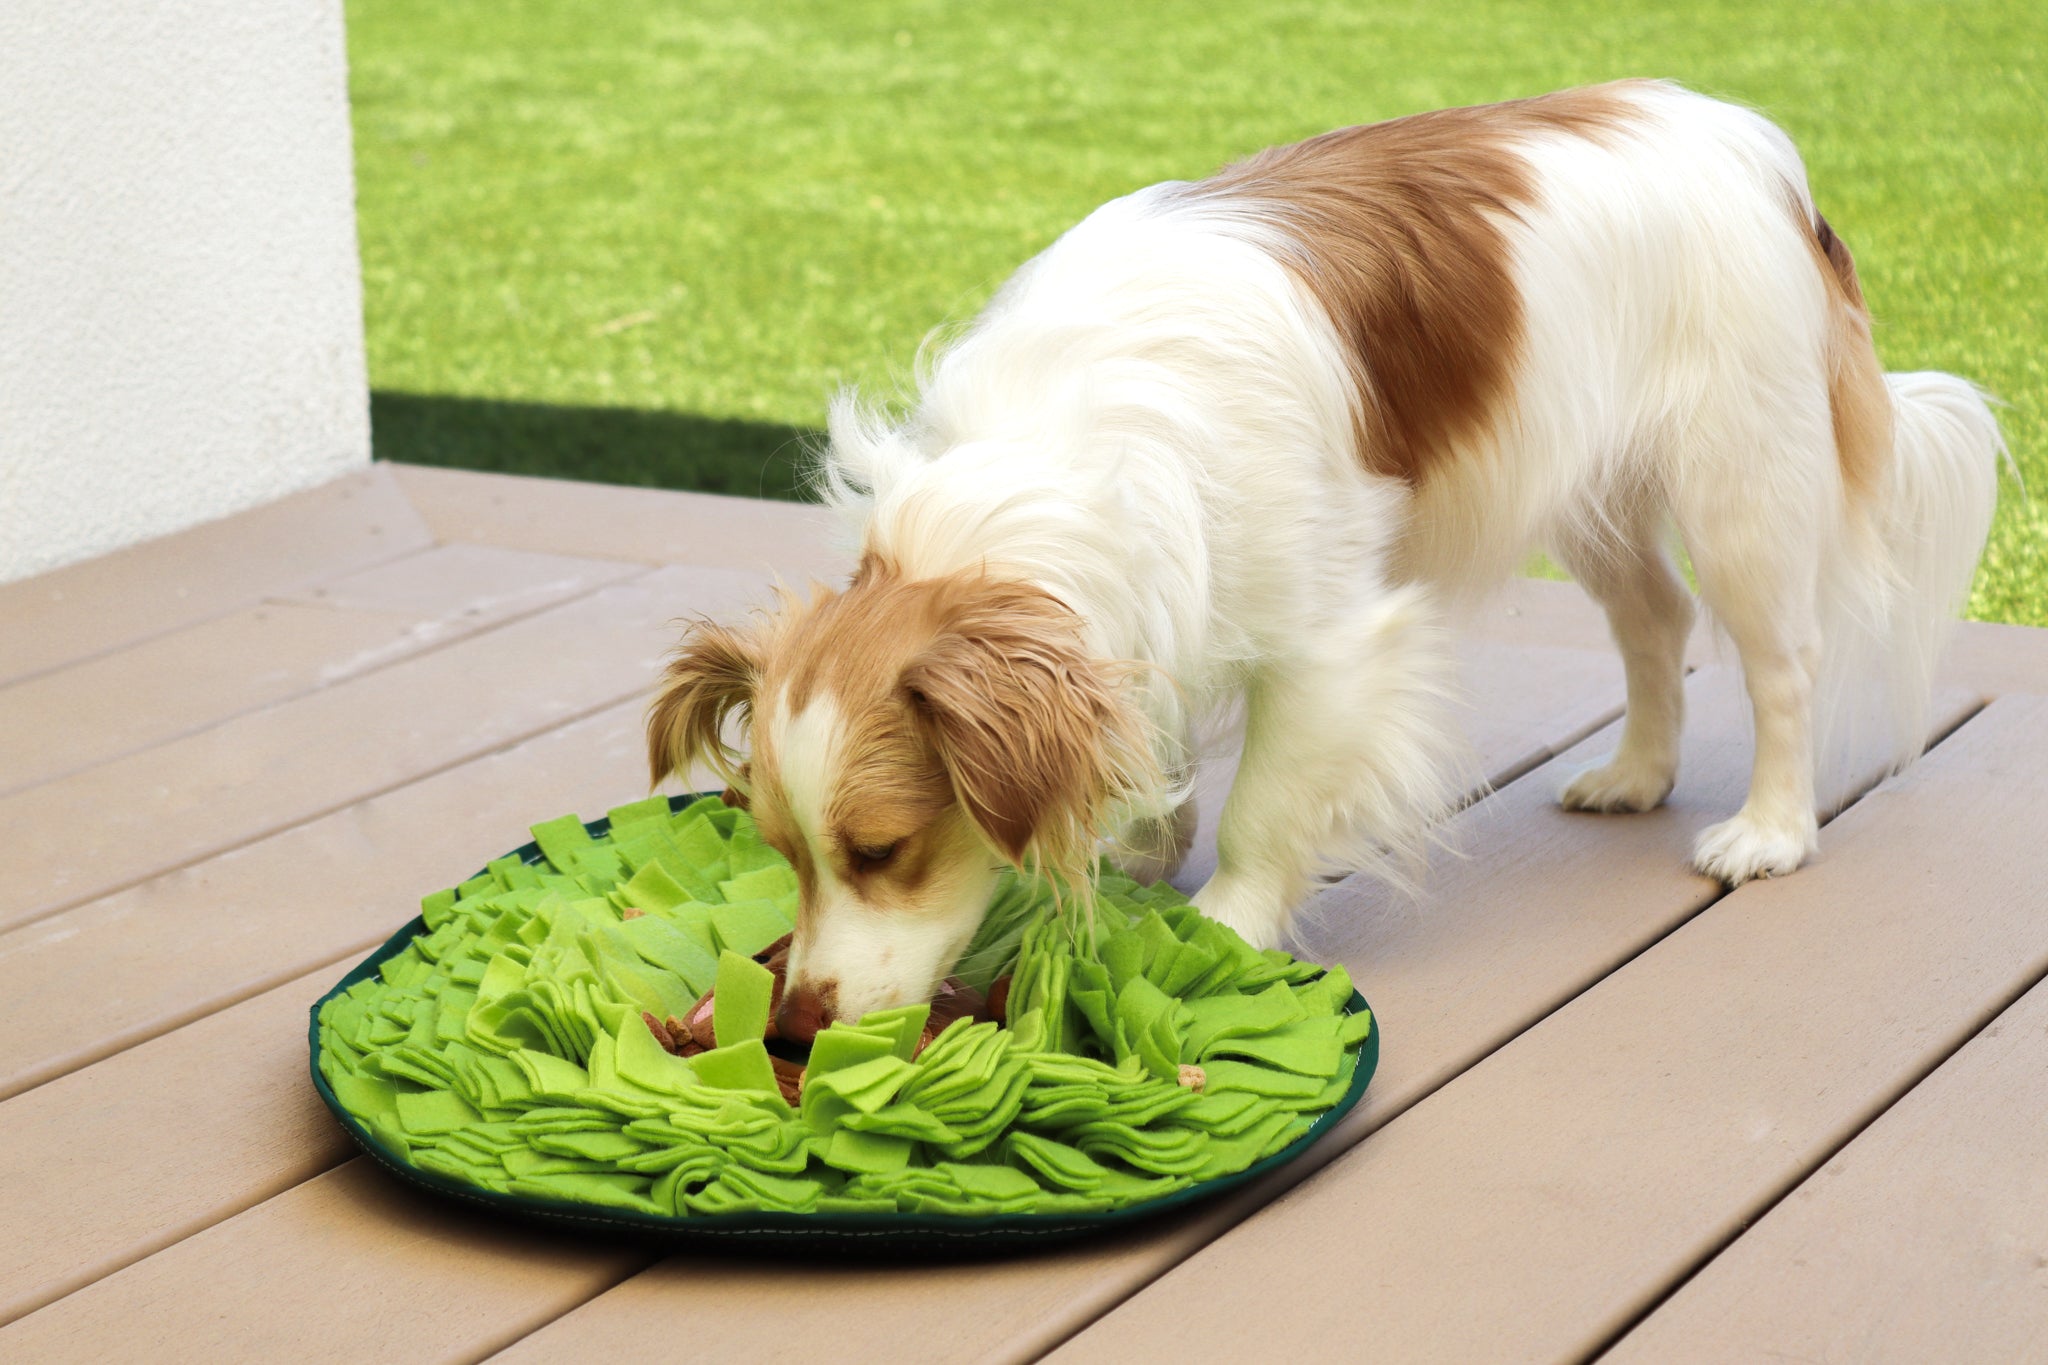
(866, 856)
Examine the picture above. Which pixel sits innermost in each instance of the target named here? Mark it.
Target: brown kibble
(630, 913)
(677, 1030)
(1194, 1078)
(661, 1033)
(698, 1022)
(789, 1077)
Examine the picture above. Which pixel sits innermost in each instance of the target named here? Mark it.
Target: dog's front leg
(1347, 763)
(1151, 848)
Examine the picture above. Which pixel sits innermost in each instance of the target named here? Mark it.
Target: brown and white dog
(1241, 441)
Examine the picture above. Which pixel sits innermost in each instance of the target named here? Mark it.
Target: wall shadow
(600, 445)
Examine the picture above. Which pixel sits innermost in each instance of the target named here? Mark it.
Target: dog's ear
(1036, 737)
(710, 678)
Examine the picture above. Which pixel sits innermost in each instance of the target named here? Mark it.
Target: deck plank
(124, 1158)
(1532, 1207)
(1504, 936)
(452, 584)
(647, 525)
(116, 703)
(349, 1266)
(1994, 658)
(127, 820)
(237, 1170)
(1923, 1239)
(117, 599)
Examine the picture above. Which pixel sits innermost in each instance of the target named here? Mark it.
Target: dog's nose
(804, 1010)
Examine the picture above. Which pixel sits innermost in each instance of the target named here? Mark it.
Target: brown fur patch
(714, 678)
(710, 678)
(1397, 226)
(1858, 402)
(1032, 733)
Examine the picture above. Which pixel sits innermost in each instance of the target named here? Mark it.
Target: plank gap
(1564, 744)
(224, 612)
(119, 1043)
(169, 1238)
(499, 1345)
(1856, 1129)
(320, 684)
(1936, 738)
(1488, 787)
(354, 798)
(337, 1228)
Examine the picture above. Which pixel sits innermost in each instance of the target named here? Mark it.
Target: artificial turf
(642, 242)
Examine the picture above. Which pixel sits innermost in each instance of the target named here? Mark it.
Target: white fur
(812, 740)
(875, 953)
(1153, 421)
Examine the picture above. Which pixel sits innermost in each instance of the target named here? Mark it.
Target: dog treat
(596, 1027)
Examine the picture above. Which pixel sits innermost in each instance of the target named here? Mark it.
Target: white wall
(180, 302)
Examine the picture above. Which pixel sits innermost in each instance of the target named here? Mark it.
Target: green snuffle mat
(494, 1050)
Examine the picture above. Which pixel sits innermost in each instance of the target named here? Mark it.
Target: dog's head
(907, 740)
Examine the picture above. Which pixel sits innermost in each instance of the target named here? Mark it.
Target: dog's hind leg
(1757, 547)
(1347, 763)
(1650, 614)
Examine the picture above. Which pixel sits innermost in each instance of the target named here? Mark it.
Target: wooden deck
(1619, 1110)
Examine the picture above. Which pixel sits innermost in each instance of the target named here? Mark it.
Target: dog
(1243, 442)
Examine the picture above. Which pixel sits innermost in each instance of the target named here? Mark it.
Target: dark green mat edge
(799, 1231)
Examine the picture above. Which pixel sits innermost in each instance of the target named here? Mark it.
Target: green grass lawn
(643, 241)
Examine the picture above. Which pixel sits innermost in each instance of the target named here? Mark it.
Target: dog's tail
(1921, 527)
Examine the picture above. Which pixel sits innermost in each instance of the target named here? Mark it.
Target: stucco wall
(180, 301)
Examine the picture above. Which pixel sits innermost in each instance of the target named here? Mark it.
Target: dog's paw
(1142, 866)
(1617, 785)
(1258, 917)
(1742, 849)
(1151, 849)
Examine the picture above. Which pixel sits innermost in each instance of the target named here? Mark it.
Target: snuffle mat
(517, 1045)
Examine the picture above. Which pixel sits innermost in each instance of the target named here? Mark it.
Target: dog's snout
(805, 1009)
